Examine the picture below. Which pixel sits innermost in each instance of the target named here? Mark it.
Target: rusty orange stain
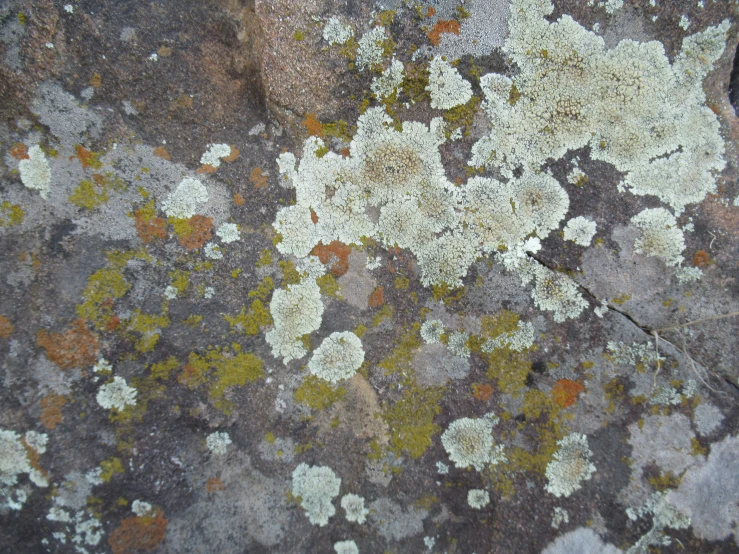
(441, 27)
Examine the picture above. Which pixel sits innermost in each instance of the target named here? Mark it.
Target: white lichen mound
(214, 154)
(116, 395)
(370, 48)
(660, 235)
(141, 508)
(580, 230)
(570, 465)
(296, 311)
(335, 32)
(316, 486)
(469, 442)
(389, 81)
(353, 505)
(35, 171)
(632, 107)
(228, 232)
(338, 357)
(520, 339)
(554, 292)
(13, 458)
(478, 498)
(37, 441)
(217, 442)
(183, 202)
(448, 89)
(431, 331)
(346, 547)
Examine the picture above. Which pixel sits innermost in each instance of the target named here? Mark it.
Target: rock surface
(167, 169)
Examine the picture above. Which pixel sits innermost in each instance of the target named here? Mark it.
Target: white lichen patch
(448, 89)
(370, 48)
(389, 81)
(353, 505)
(217, 442)
(520, 339)
(560, 517)
(103, 367)
(141, 508)
(116, 395)
(170, 293)
(335, 32)
(431, 331)
(580, 230)
(570, 465)
(37, 441)
(228, 232)
(623, 354)
(458, 344)
(296, 311)
(183, 202)
(478, 498)
(633, 108)
(338, 357)
(553, 291)
(469, 442)
(346, 547)
(214, 154)
(660, 235)
(316, 486)
(35, 171)
(213, 251)
(13, 459)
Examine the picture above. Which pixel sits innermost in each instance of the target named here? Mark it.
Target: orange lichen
(96, 80)
(377, 298)
(5, 327)
(258, 179)
(161, 152)
(431, 12)
(51, 410)
(336, 251)
(150, 228)
(214, 484)
(75, 347)
(199, 232)
(441, 27)
(312, 125)
(19, 151)
(86, 157)
(313, 216)
(565, 392)
(207, 168)
(239, 199)
(137, 533)
(482, 391)
(233, 156)
(701, 258)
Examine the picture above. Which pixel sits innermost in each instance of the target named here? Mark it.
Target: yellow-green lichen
(222, 369)
(328, 285)
(290, 275)
(402, 355)
(103, 288)
(318, 394)
(265, 258)
(110, 467)
(410, 419)
(148, 327)
(10, 214)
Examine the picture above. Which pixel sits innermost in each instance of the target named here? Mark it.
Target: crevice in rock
(734, 83)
